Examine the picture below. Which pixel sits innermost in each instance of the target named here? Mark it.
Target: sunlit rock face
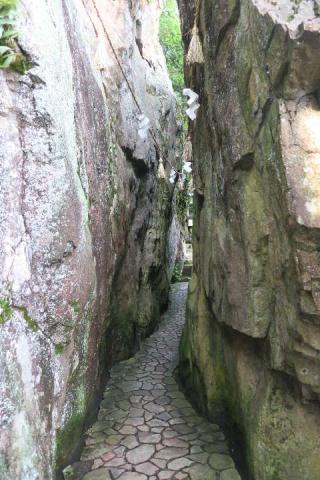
(251, 346)
(83, 214)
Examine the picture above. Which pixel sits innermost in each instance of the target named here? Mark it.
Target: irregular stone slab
(181, 476)
(147, 468)
(133, 476)
(143, 428)
(199, 457)
(106, 457)
(136, 412)
(157, 429)
(165, 475)
(201, 472)
(130, 386)
(219, 461)
(100, 474)
(160, 463)
(164, 416)
(140, 454)
(190, 437)
(231, 474)
(124, 405)
(114, 439)
(175, 442)
(154, 408)
(163, 400)
(169, 433)
(183, 429)
(177, 421)
(216, 448)
(130, 442)
(115, 462)
(128, 430)
(97, 438)
(97, 464)
(169, 453)
(179, 463)
(157, 423)
(146, 437)
(116, 472)
(134, 421)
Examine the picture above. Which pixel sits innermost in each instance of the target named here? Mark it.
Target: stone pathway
(146, 429)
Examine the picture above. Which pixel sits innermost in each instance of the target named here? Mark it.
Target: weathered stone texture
(251, 344)
(82, 211)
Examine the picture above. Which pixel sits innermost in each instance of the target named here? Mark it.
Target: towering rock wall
(83, 213)
(251, 346)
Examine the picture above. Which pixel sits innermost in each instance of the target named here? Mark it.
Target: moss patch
(32, 324)
(67, 438)
(58, 348)
(5, 311)
(75, 305)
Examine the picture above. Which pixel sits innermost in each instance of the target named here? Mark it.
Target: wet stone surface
(146, 428)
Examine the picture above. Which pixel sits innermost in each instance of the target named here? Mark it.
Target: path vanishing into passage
(146, 429)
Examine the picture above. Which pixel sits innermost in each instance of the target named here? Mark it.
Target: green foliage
(32, 324)
(75, 305)
(58, 348)
(10, 55)
(177, 274)
(7, 4)
(171, 41)
(5, 311)
(67, 436)
(183, 200)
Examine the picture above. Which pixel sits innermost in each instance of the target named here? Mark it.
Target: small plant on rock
(177, 274)
(10, 55)
(5, 311)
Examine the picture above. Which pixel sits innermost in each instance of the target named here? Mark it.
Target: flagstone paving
(146, 428)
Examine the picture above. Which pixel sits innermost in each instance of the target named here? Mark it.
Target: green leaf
(8, 4)
(5, 62)
(6, 21)
(10, 34)
(10, 57)
(3, 50)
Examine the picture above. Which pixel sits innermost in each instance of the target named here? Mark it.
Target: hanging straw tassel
(195, 52)
(161, 170)
(187, 151)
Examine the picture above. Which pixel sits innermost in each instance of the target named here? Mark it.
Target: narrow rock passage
(146, 429)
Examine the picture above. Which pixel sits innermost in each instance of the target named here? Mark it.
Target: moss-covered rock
(250, 346)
